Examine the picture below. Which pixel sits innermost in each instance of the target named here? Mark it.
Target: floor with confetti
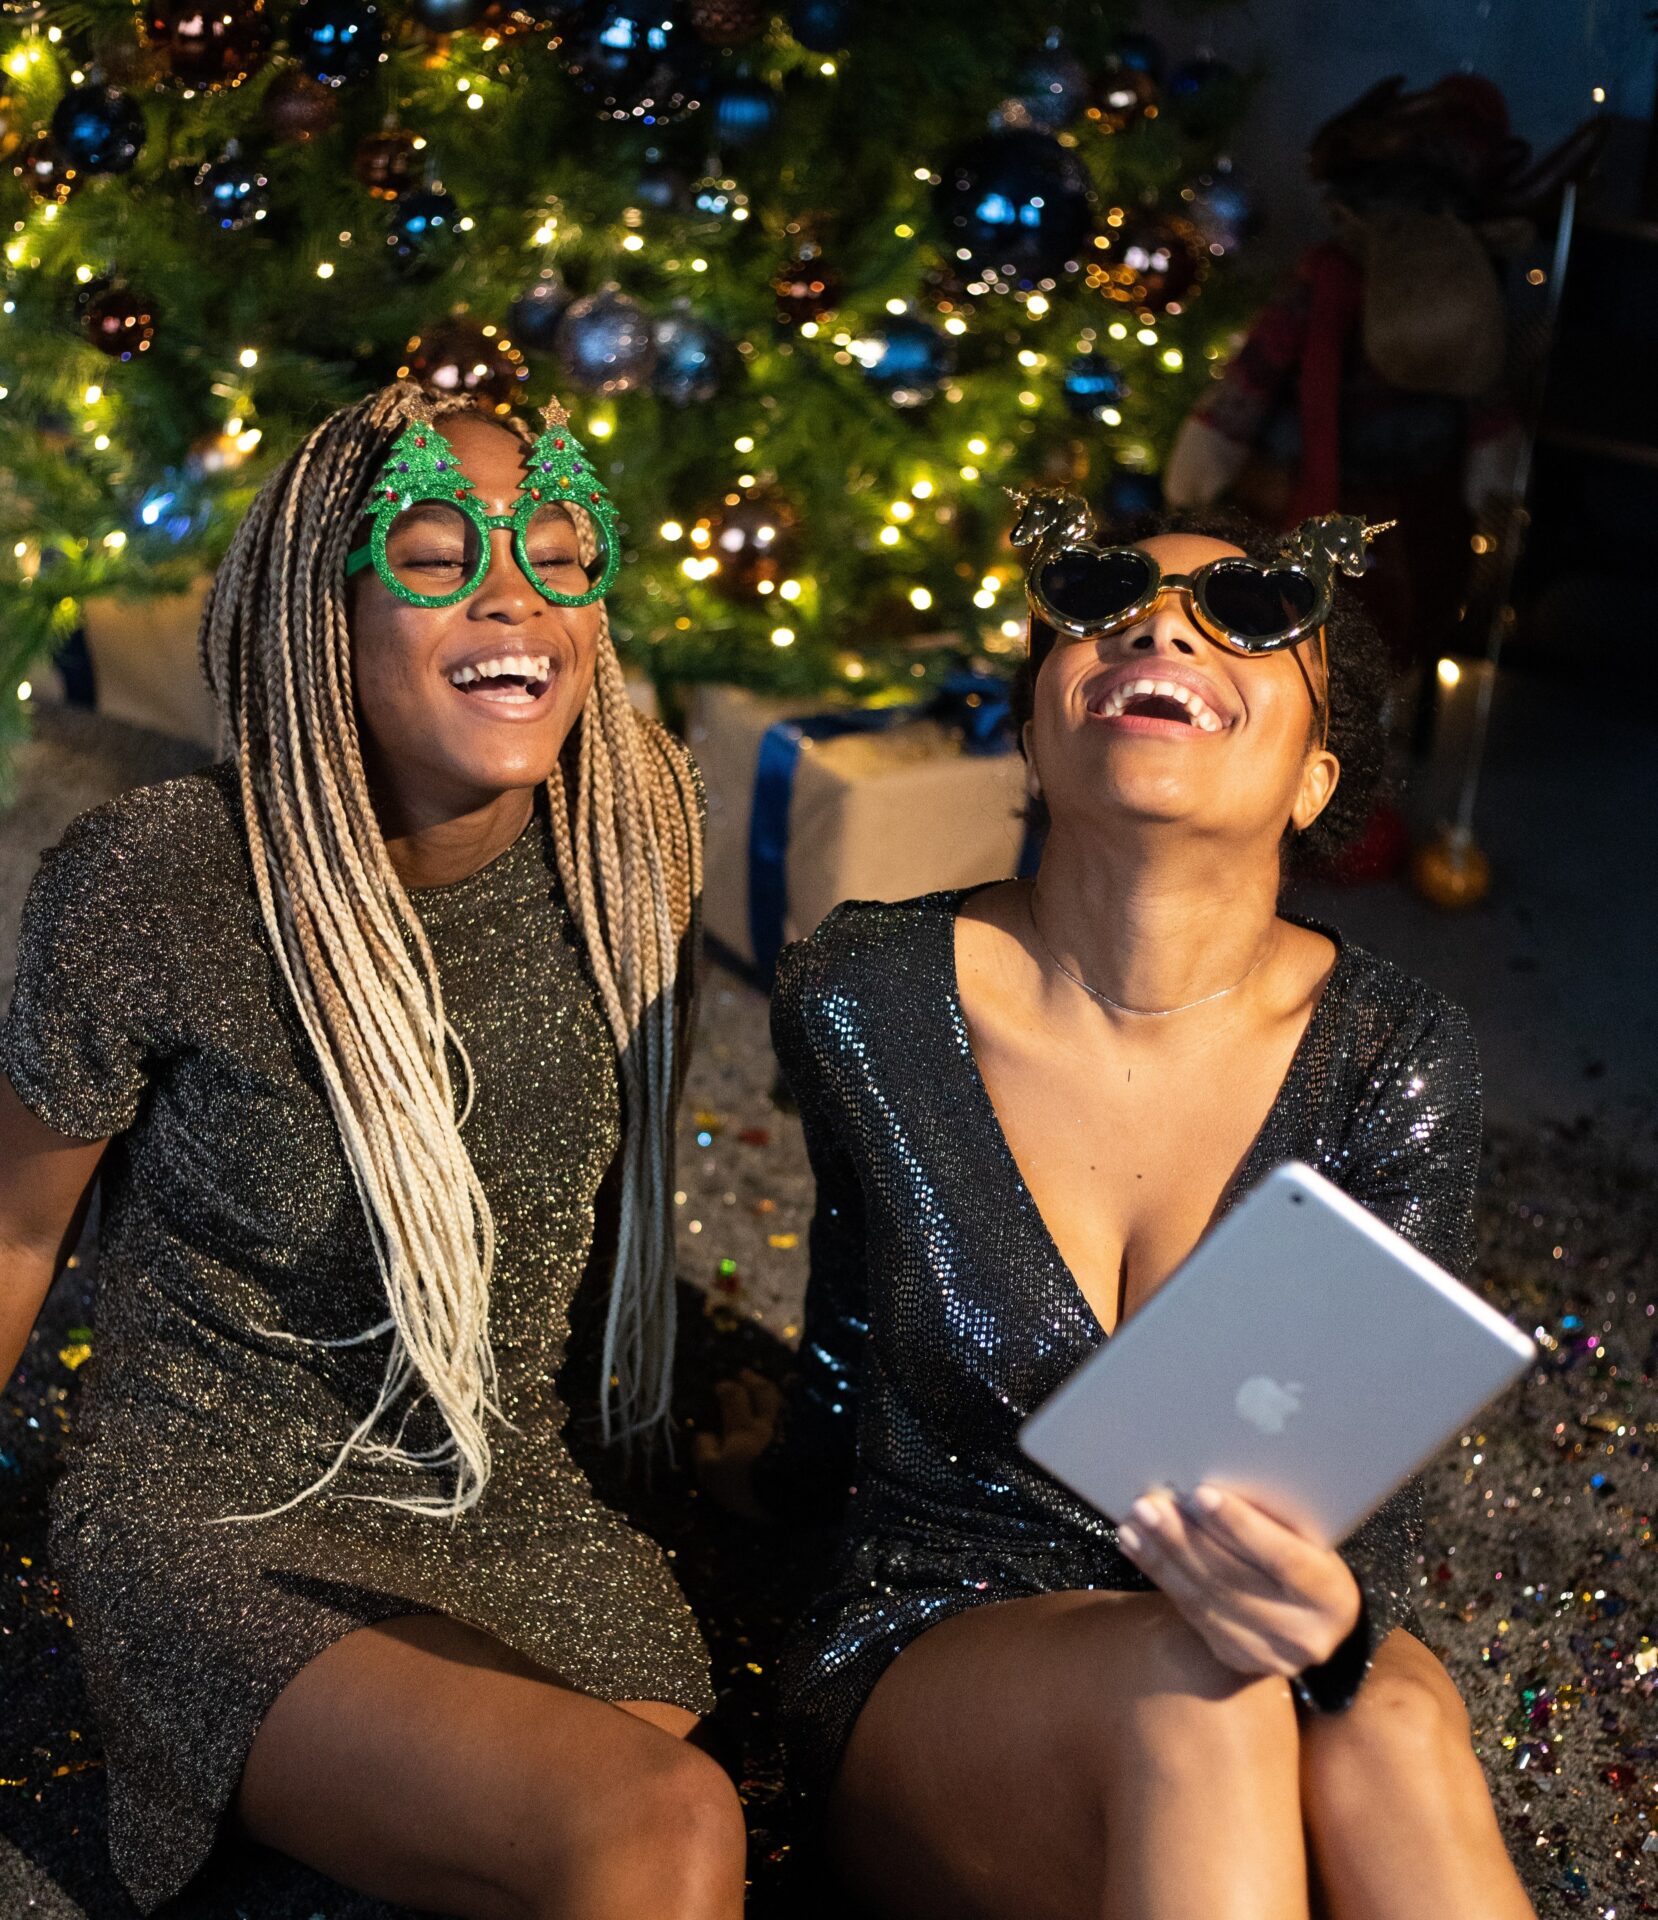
(1539, 1584)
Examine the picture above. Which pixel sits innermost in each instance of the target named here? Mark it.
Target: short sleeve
(86, 1022)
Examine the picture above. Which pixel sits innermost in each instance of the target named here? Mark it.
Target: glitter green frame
(558, 471)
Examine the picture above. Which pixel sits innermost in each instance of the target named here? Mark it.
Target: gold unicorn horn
(1381, 526)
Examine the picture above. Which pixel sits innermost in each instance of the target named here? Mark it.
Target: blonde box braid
(626, 813)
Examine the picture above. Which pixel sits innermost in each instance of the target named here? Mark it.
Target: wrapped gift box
(867, 815)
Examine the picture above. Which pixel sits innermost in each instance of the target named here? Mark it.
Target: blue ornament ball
(448, 16)
(1014, 205)
(606, 343)
(745, 110)
(692, 358)
(1050, 91)
(907, 358)
(1140, 53)
(534, 316)
(422, 233)
(638, 62)
(661, 186)
(337, 41)
(233, 193)
(822, 26)
(1223, 211)
(1093, 381)
(97, 129)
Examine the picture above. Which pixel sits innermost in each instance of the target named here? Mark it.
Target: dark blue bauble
(1051, 90)
(1092, 381)
(1223, 211)
(1014, 204)
(97, 129)
(638, 62)
(692, 358)
(534, 316)
(422, 234)
(232, 192)
(823, 26)
(1128, 493)
(745, 110)
(606, 343)
(1140, 53)
(447, 16)
(337, 41)
(906, 358)
(661, 186)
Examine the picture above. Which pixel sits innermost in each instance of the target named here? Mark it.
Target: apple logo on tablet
(1265, 1404)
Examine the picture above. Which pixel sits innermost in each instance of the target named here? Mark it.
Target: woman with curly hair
(361, 1031)
(1024, 1104)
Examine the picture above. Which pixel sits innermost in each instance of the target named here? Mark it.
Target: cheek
(387, 649)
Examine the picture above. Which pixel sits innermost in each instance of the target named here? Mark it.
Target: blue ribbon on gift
(976, 706)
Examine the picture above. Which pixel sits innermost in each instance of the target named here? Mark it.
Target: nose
(504, 594)
(1167, 631)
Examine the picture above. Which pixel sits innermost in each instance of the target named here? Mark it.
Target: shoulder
(149, 856)
(864, 941)
(1394, 1014)
(863, 948)
(1406, 1061)
(158, 826)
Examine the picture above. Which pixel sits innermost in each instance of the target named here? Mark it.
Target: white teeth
(1203, 715)
(522, 666)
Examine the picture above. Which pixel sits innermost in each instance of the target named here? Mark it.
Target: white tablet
(1304, 1355)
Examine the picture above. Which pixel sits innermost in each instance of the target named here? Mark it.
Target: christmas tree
(815, 288)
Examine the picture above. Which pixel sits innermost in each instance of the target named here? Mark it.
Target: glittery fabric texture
(939, 1314)
(148, 1007)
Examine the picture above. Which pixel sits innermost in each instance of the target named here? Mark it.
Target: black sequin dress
(939, 1313)
(149, 1008)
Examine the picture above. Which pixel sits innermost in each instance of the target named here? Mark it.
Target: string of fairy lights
(902, 519)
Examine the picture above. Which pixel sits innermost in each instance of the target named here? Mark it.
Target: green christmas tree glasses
(429, 538)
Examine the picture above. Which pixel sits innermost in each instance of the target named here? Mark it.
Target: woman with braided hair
(352, 1027)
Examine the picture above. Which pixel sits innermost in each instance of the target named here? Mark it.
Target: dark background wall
(1315, 56)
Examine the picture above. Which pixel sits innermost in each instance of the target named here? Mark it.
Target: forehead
(1186, 552)
(491, 457)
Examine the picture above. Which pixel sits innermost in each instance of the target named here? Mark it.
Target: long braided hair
(626, 816)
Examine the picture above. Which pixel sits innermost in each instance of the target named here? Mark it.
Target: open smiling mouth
(1165, 700)
(509, 680)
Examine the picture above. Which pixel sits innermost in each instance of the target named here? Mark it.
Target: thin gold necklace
(1140, 1013)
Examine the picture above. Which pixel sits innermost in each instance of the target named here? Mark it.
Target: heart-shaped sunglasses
(1081, 590)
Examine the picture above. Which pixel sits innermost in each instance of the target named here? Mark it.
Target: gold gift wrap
(873, 816)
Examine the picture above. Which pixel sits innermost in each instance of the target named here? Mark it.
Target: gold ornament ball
(1451, 871)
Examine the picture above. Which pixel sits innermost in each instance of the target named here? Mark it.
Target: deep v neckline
(1249, 1170)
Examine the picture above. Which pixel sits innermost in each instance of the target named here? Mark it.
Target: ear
(1033, 780)
(1319, 777)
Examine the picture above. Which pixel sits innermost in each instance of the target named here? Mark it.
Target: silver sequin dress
(939, 1313)
(149, 1008)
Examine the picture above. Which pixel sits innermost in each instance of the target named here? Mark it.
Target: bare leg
(1074, 1754)
(1398, 1817)
(425, 1763)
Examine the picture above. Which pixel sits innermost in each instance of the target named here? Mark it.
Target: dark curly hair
(1361, 678)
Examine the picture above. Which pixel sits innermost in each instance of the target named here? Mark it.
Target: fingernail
(1208, 1498)
(1147, 1515)
(1128, 1538)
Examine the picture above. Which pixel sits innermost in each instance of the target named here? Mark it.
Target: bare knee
(673, 1837)
(1406, 1735)
(1181, 1714)
(689, 1810)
